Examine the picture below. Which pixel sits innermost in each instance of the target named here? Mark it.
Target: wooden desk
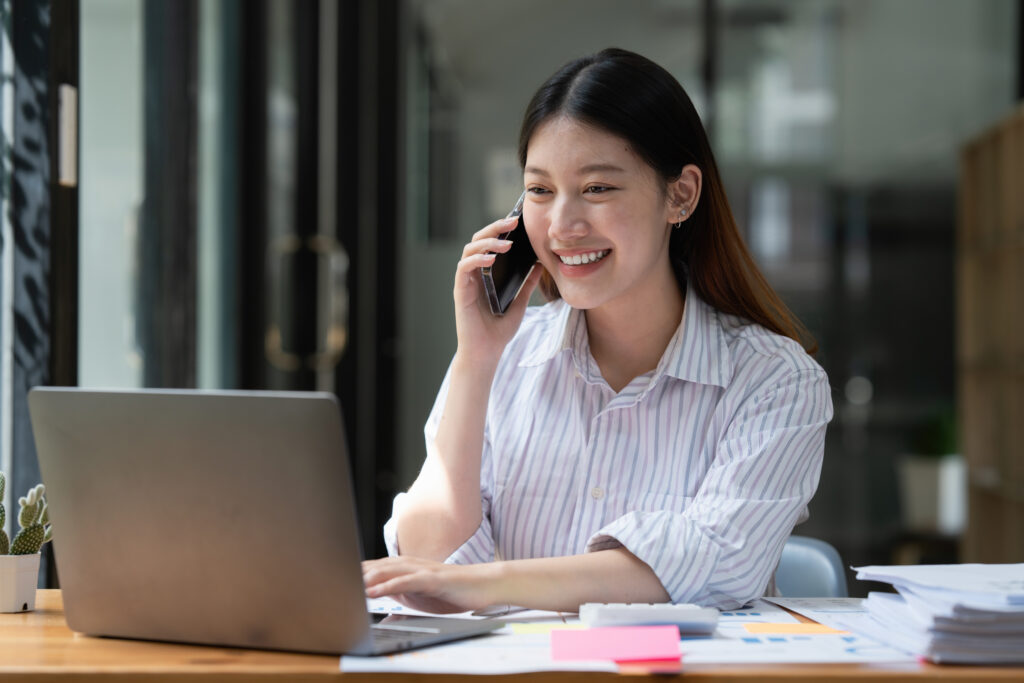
(38, 646)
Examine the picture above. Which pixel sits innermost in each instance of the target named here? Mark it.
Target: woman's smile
(598, 217)
(581, 263)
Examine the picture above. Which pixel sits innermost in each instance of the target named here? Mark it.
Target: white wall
(916, 78)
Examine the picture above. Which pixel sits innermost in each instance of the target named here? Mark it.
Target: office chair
(810, 568)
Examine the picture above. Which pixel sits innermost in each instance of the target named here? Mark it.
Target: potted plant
(19, 559)
(933, 481)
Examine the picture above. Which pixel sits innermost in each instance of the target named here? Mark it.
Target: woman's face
(598, 216)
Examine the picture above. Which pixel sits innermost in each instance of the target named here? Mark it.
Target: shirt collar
(567, 321)
(697, 352)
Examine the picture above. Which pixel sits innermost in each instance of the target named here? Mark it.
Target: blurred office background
(274, 193)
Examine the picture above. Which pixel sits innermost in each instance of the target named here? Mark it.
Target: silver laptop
(220, 518)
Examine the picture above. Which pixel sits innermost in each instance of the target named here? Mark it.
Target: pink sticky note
(619, 643)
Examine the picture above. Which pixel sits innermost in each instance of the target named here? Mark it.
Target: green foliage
(937, 435)
(33, 518)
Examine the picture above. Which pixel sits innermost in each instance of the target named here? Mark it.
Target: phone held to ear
(505, 277)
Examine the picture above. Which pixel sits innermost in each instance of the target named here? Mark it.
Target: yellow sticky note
(543, 627)
(789, 629)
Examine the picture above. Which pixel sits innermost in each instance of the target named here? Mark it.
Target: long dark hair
(632, 97)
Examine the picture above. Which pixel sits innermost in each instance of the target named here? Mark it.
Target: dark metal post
(167, 240)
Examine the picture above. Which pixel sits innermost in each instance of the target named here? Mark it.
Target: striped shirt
(700, 468)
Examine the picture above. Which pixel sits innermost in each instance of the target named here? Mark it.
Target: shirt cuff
(680, 556)
(391, 527)
(478, 548)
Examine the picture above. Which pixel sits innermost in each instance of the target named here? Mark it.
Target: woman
(655, 431)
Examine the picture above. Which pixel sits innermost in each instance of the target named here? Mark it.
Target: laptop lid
(222, 518)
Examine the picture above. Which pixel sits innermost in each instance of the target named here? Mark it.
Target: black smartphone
(505, 277)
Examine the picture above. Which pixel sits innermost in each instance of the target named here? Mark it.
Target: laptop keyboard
(395, 639)
(393, 636)
(400, 633)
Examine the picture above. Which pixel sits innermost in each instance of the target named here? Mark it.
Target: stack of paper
(969, 613)
(531, 641)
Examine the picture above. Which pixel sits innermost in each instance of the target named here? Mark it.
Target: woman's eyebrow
(583, 170)
(601, 168)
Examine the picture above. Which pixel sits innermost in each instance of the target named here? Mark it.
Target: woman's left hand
(428, 585)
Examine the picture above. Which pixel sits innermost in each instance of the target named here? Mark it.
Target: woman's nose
(567, 222)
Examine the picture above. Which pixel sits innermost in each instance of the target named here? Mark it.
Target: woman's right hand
(482, 336)
(444, 505)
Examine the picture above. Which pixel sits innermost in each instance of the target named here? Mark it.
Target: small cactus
(33, 518)
(29, 540)
(32, 506)
(28, 514)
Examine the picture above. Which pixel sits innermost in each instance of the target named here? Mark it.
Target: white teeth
(580, 259)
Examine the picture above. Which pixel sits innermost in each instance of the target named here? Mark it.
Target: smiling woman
(654, 432)
(599, 220)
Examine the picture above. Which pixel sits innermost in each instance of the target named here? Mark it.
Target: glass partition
(111, 191)
(837, 125)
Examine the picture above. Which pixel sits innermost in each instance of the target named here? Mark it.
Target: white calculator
(689, 618)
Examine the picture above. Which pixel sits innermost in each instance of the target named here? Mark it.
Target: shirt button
(597, 493)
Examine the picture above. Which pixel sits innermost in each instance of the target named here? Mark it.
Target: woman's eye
(598, 189)
(536, 190)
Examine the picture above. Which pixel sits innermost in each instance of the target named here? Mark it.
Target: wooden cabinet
(990, 339)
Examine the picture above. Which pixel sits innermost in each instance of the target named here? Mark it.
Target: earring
(679, 224)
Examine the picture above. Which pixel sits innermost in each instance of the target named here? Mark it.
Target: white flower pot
(934, 493)
(19, 575)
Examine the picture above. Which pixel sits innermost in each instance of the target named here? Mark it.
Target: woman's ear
(683, 194)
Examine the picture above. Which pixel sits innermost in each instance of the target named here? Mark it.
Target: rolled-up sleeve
(480, 546)
(722, 549)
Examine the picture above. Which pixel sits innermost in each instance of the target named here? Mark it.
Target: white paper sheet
(502, 652)
(391, 606)
(792, 649)
(823, 610)
(507, 613)
(507, 652)
(759, 611)
(941, 614)
(969, 584)
(897, 628)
